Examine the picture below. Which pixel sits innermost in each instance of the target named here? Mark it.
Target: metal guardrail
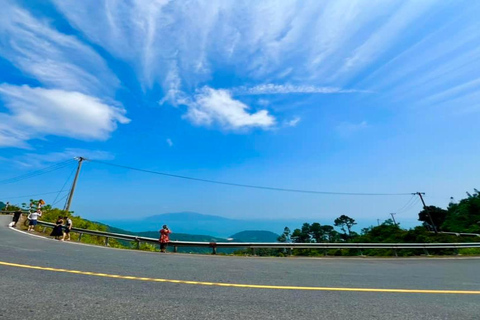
(460, 234)
(273, 245)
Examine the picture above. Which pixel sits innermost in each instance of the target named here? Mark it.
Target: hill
(255, 236)
(196, 223)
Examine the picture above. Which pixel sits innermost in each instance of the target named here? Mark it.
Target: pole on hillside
(393, 218)
(426, 209)
(70, 196)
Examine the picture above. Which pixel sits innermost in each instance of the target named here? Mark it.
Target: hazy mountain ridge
(196, 223)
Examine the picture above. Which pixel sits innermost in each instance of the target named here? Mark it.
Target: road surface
(36, 282)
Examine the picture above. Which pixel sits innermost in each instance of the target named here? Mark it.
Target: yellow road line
(237, 285)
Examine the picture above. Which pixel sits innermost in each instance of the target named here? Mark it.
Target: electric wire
(413, 204)
(39, 172)
(405, 205)
(59, 200)
(31, 195)
(63, 187)
(250, 186)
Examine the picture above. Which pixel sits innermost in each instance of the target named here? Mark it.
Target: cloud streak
(54, 59)
(288, 89)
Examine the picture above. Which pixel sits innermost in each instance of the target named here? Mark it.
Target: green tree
(465, 215)
(302, 235)
(316, 232)
(345, 223)
(285, 237)
(437, 214)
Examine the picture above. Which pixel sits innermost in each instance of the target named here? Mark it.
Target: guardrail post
(175, 249)
(426, 251)
(138, 244)
(325, 252)
(44, 229)
(253, 251)
(395, 251)
(80, 237)
(106, 241)
(214, 247)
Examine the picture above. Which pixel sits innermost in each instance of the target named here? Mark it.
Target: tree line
(461, 217)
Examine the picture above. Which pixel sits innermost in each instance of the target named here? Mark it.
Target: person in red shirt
(164, 238)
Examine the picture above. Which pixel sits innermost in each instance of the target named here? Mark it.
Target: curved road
(123, 284)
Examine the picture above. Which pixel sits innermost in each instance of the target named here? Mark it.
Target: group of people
(62, 228)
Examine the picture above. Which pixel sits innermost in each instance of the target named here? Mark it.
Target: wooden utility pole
(426, 209)
(70, 196)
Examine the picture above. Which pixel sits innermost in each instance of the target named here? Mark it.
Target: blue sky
(342, 96)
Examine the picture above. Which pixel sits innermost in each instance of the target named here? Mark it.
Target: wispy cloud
(37, 160)
(54, 59)
(37, 112)
(210, 106)
(293, 122)
(169, 142)
(288, 88)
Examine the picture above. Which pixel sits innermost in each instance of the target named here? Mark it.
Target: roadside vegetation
(459, 217)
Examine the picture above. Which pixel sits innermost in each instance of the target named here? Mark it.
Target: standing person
(32, 219)
(16, 217)
(68, 228)
(6, 206)
(164, 238)
(57, 231)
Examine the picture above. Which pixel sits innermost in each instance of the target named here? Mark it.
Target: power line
(63, 187)
(406, 204)
(250, 186)
(32, 174)
(31, 195)
(59, 200)
(414, 203)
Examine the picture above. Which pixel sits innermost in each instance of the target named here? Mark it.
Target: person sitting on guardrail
(68, 228)
(164, 238)
(57, 231)
(32, 219)
(16, 217)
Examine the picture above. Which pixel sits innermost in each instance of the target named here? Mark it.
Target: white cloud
(35, 160)
(37, 112)
(169, 142)
(383, 38)
(270, 88)
(211, 106)
(293, 122)
(53, 58)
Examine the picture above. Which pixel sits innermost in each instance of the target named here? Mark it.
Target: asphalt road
(42, 294)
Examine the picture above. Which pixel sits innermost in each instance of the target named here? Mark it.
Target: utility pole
(393, 218)
(426, 209)
(70, 196)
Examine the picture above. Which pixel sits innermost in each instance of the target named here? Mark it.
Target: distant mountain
(255, 236)
(196, 223)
